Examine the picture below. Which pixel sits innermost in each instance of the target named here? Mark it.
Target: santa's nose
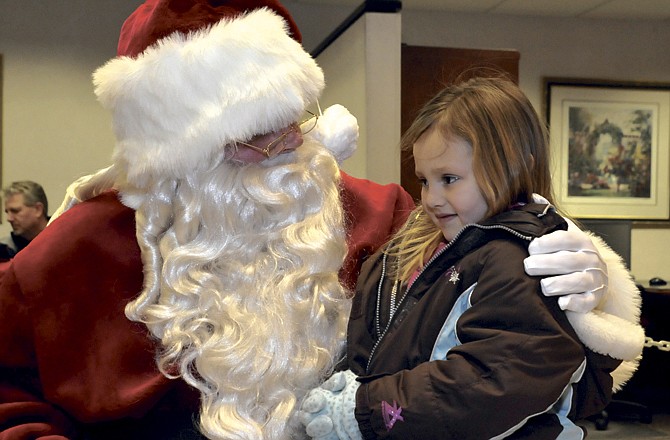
(268, 145)
(292, 139)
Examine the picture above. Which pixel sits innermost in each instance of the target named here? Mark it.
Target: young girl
(448, 337)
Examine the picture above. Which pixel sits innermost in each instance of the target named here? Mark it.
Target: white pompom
(337, 130)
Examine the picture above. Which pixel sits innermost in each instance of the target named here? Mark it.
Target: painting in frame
(610, 143)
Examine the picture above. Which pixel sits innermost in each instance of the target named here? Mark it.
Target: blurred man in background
(26, 208)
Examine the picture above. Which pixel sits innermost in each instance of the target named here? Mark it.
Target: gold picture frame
(610, 145)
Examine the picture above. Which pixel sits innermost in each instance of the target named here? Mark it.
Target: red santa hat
(157, 19)
(192, 76)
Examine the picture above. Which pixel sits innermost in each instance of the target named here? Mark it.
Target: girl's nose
(432, 198)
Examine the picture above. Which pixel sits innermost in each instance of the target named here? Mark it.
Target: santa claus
(207, 270)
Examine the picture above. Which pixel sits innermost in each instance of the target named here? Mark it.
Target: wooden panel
(426, 70)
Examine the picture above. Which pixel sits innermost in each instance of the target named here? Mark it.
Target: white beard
(241, 285)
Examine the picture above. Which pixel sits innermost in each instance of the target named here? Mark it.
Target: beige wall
(368, 85)
(54, 130)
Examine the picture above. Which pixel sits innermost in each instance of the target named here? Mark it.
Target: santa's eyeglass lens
(277, 145)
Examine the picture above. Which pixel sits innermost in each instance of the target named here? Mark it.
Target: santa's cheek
(246, 155)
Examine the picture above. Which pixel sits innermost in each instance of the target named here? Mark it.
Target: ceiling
(599, 9)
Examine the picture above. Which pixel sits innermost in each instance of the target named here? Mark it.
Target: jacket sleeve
(69, 356)
(373, 212)
(513, 358)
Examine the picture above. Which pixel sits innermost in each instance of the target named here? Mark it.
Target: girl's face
(449, 193)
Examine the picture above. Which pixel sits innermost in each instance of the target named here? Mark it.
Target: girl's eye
(449, 179)
(423, 182)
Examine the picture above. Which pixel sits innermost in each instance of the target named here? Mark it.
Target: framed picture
(610, 143)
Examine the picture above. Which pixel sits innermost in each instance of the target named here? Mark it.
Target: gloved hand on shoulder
(580, 272)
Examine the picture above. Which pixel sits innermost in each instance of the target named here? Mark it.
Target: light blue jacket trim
(448, 338)
(561, 408)
(564, 405)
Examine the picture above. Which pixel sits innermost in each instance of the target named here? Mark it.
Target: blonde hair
(241, 283)
(509, 147)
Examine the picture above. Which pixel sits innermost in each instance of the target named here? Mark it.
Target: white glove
(328, 411)
(582, 273)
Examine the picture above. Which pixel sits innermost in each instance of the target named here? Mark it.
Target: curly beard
(241, 285)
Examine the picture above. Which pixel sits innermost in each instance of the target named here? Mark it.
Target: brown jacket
(474, 350)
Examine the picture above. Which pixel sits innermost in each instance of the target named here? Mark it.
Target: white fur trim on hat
(184, 98)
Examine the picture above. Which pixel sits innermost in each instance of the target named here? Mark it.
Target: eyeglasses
(274, 148)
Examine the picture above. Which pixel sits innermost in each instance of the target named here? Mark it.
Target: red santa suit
(73, 366)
